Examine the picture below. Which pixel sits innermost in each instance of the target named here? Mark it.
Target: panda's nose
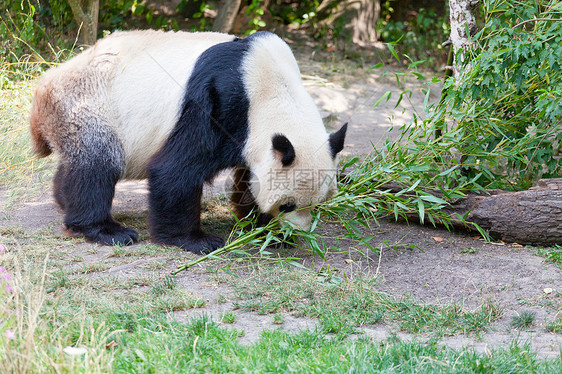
(288, 207)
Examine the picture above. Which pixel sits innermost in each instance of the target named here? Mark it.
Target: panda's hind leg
(85, 186)
(58, 181)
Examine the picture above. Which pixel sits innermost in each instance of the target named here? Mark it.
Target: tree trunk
(530, 217)
(86, 14)
(227, 11)
(462, 20)
(526, 217)
(368, 12)
(360, 17)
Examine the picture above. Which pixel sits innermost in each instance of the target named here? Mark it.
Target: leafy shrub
(421, 37)
(42, 29)
(293, 13)
(20, 33)
(255, 11)
(507, 102)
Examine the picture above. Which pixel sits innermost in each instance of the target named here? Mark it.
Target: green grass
(555, 325)
(228, 317)
(21, 174)
(552, 255)
(138, 338)
(524, 320)
(278, 319)
(54, 306)
(165, 285)
(153, 346)
(344, 306)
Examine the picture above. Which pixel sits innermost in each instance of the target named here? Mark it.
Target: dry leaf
(547, 290)
(516, 245)
(330, 48)
(111, 344)
(348, 261)
(437, 238)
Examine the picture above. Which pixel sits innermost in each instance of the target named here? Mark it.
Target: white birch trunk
(462, 24)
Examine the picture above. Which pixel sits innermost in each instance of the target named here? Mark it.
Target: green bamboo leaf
(413, 186)
(386, 96)
(421, 210)
(297, 265)
(433, 199)
(416, 63)
(449, 171)
(393, 51)
(350, 163)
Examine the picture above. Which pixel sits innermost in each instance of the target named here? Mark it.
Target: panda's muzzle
(288, 207)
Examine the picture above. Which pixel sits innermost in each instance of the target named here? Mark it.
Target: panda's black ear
(337, 139)
(282, 145)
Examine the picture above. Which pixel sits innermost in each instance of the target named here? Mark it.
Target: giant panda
(177, 108)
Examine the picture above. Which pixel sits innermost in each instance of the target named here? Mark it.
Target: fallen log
(531, 217)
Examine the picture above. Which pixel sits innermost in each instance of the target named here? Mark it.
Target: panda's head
(292, 158)
(295, 174)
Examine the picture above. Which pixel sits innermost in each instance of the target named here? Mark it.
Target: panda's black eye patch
(288, 207)
(284, 146)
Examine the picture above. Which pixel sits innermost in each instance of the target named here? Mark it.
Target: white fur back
(137, 80)
(149, 86)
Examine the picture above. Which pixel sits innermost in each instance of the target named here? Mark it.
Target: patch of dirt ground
(432, 265)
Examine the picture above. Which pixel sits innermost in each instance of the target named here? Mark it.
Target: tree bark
(227, 11)
(531, 217)
(368, 12)
(361, 17)
(526, 217)
(86, 14)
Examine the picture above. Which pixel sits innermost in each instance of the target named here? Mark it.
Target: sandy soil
(443, 267)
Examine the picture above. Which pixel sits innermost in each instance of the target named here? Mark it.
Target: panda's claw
(198, 242)
(126, 237)
(107, 234)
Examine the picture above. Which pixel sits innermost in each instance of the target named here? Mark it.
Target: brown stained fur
(241, 196)
(55, 121)
(39, 144)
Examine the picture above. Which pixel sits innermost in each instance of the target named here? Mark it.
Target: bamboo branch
(537, 19)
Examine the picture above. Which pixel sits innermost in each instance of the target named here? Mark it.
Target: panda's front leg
(175, 212)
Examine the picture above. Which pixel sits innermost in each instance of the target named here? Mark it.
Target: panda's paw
(124, 236)
(110, 234)
(202, 244)
(197, 242)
